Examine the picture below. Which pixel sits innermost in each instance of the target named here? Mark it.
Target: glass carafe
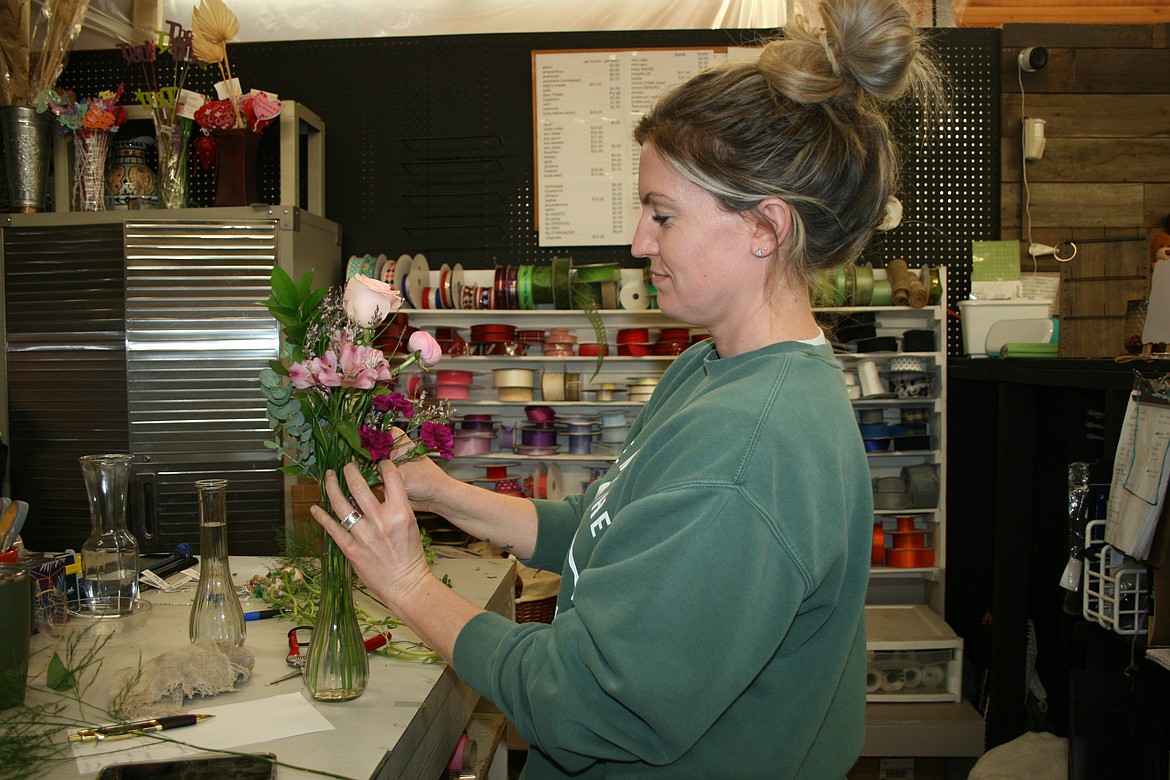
(216, 610)
(109, 557)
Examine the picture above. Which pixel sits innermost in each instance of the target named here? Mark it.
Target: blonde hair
(807, 122)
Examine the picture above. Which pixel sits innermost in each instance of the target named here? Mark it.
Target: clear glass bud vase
(109, 557)
(215, 610)
(337, 667)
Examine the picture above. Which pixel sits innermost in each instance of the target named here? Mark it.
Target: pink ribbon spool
(464, 755)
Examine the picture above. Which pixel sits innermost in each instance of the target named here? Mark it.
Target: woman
(710, 621)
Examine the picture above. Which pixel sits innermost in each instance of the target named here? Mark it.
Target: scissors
(297, 655)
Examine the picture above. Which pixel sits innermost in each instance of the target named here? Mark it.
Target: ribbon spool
(603, 280)
(877, 556)
(417, 278)
(494, 472)
(547, 481)
(634, 296)
(871, 381)
(464, 755)
(562, 268)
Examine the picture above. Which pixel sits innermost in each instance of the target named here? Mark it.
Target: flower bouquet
(90, 122)
(331, 400)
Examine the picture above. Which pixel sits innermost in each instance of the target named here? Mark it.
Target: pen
(261, 614)
(137, 728)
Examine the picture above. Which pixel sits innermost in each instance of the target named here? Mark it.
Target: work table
(405, 725)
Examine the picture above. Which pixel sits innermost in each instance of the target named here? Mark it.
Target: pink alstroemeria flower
(317, 371)
(363, 367)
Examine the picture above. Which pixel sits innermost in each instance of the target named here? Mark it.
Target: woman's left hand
(383, 544)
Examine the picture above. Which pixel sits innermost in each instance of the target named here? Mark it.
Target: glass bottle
(215, 610)
(337, 667)
(109, 557)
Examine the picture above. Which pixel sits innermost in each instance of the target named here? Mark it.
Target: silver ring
(352, 519)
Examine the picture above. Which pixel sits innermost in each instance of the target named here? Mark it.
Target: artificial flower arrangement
(332, 400)
(91, 122)
(213, 25)
(172, 106)
(84, 117)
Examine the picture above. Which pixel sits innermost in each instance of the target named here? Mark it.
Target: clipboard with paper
(1141, 469)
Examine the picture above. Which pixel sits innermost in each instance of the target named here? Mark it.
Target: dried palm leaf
(212, 25)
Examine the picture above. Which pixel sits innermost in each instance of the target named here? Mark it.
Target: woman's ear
(773, 223)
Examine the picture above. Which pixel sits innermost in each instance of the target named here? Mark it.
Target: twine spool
(900, 280)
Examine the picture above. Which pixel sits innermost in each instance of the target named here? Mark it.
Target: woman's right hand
(424, 480)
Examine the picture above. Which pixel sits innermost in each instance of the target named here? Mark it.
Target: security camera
(1033, 58)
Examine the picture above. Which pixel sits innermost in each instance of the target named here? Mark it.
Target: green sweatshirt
(710, 621)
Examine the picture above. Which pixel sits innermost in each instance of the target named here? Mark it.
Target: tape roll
(892, 679)
(634, 296)
(932, 676)
(873, 680)
(911, 676)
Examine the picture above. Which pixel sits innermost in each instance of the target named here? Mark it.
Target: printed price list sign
(586, 106)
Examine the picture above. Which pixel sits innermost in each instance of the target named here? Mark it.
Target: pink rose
(429, 351)
(369, 301)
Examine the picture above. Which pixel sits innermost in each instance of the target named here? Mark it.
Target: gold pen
(137, 728)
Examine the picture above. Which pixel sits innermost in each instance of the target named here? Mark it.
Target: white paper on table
(243, 723)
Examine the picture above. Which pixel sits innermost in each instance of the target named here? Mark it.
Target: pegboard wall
(429, 142)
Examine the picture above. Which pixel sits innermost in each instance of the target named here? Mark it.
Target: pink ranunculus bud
(369, 301)
(429, 351)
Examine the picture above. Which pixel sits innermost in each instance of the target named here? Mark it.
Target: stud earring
(760, 252)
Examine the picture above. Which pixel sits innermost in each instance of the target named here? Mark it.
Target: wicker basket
(537, 610)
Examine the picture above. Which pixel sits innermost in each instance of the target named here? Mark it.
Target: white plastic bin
(979, 316)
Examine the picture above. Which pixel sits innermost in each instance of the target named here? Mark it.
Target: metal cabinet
(141, 332)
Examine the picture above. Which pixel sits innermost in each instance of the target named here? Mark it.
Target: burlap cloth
(158, 686)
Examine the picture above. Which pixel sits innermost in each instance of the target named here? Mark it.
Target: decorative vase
(109, 557)
(90, 148)
(235, 167)
(28, 148)
(173, 147)
(130, 181)
(337, 667)
(215, 610)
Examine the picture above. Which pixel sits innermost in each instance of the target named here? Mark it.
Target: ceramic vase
(130, 181)
(337, 667)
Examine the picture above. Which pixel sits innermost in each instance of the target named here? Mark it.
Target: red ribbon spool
(878, 555)
(910, 559)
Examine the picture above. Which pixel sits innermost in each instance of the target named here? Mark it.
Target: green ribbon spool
(540, 278)
(524, 287)
(883, 293)
(561, 290)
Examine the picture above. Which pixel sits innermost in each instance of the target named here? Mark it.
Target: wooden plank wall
(1105, 173)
